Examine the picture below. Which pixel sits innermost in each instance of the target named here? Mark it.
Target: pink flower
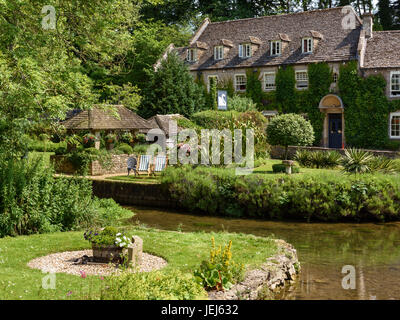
(83, 274)
(101, 278)
(69, 293)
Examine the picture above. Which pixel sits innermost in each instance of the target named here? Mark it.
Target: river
(323, 250)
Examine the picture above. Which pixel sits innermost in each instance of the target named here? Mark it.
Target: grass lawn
(183, 251)
(136, 179)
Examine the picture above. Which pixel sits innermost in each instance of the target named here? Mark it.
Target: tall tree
(172, 89)
(385, 14)
(44, 58)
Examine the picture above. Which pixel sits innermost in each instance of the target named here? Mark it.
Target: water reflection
(323, 250)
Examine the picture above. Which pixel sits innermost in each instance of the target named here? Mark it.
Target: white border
(302, 45)
(280, 48)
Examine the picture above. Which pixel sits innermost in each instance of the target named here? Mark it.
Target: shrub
(81, 158)
(141, 138)
(125, 148)
(384, 165)
(281, 168)
(126, 137)
(33, 201)
(242, 104)
(290, 129)
(327, 196)
(220, 272)
(357, 161)
(318, 159)
(168, 285)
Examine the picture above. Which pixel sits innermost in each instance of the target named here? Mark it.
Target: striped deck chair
(160, 163)
(144, 163)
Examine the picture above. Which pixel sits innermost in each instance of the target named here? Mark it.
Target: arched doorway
(333, 133)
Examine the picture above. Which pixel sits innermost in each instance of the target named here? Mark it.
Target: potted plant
(88, 140)
(73, 142)
(107, 244)
(110, 140)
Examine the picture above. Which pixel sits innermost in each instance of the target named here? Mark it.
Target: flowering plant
(111, 138)
(89, 139)
(109, 236)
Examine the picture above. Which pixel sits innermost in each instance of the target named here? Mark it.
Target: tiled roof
(337, 43)
(162, 122)
(383, 50)
(100, 119)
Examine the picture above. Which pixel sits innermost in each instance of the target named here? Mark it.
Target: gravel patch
(63, 262)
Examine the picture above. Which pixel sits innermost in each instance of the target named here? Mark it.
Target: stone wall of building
(278, 152)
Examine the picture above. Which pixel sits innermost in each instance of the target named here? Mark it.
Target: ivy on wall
(366, 109)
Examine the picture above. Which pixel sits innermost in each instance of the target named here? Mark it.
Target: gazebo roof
(100, 119)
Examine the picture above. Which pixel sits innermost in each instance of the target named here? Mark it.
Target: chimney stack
(368, 23)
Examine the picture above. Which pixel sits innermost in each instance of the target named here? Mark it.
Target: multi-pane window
(269, 81)
(395, 84)
(301, 79)
(335, 77)
(212, 80)
(275, 48)
(240, 82)
(307, 45)
(245, 50)
(191, 55)
(395, 125)
(218, 52)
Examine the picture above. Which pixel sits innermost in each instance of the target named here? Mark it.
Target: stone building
(226, 50)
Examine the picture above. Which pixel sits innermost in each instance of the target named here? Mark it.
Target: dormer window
(245, 50)
(276, 48)
(218, 52)
(191, 55)
(307, 45)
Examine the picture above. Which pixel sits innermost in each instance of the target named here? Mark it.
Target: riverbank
(183, 252)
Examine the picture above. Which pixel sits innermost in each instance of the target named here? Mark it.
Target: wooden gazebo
(116, 118)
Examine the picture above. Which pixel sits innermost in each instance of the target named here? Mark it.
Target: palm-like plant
(357, 161)
(383, 165)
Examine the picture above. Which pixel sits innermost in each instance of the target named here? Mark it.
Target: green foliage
(213, 94)
(109, 236)
(126, 137)
(318, 159)
(172, 89)
(325, 197)
(81, 158)
(281, 168)
(241, 104)
(140, 138)
(125, 148)
(286, 89)
(170, 285)
(220, 272)
(366, 109)
(290, 130)
(33, 201)
(254, 89)
(360, 161)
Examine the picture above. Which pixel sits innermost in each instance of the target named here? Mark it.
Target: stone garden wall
(141, 194)
(119, 164)
(277, 152)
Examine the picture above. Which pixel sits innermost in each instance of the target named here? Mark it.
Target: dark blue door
(335, 130)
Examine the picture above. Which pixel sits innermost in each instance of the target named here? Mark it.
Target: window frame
(219, 49)
(264, 81)
(311, 44)
(297, 81)
(280, 48)
(391, 115)
(392, 73)
(243, 50)
(193, 56)
(240, 75)
(208, 81)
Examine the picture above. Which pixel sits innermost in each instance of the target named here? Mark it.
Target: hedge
(324, 197)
